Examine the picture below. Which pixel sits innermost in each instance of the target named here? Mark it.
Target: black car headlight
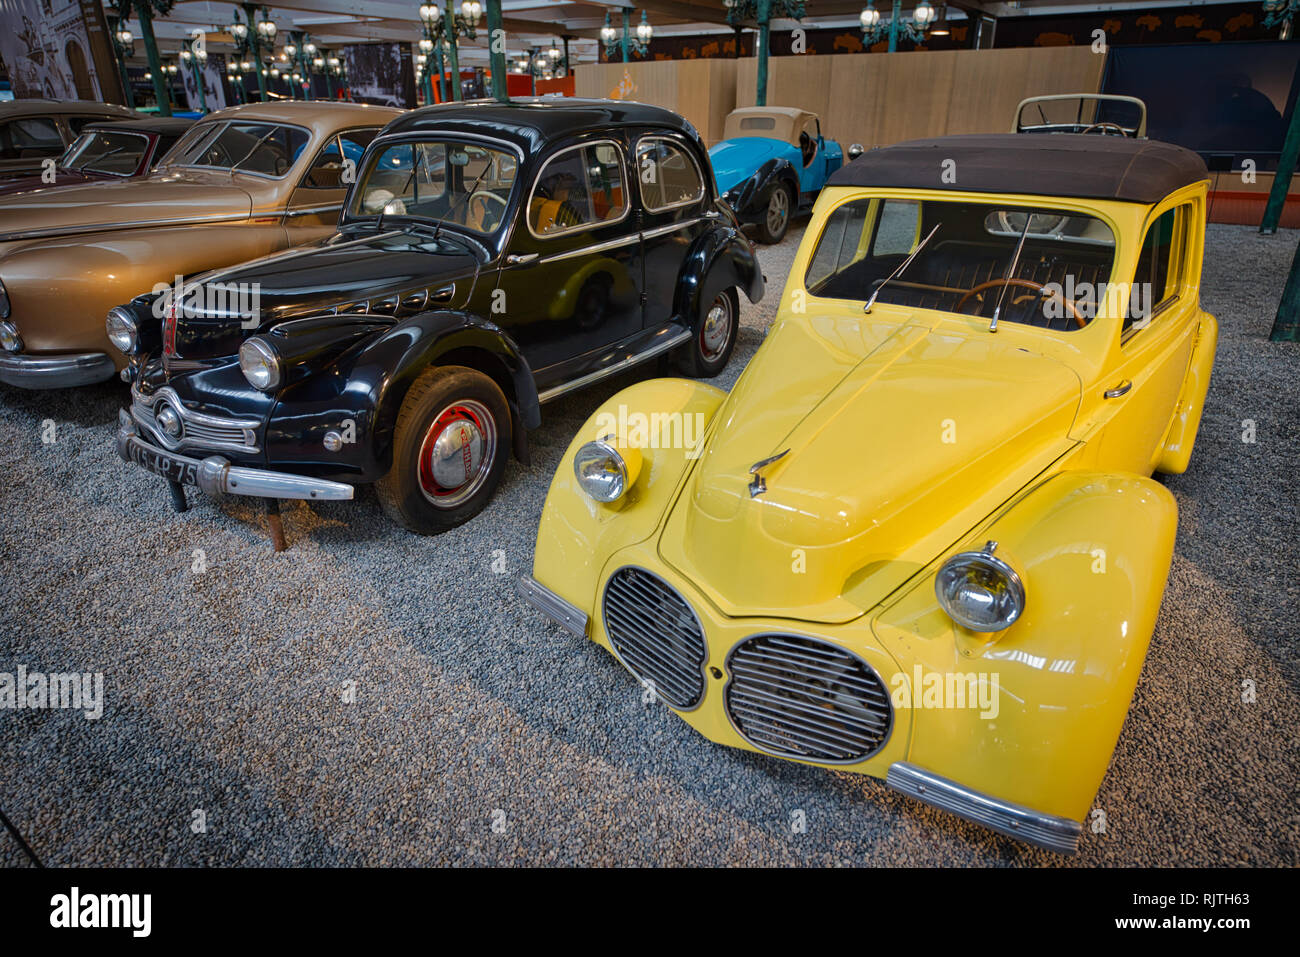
(4, 302)
(122, 330)
(980, 591)
(605, 471)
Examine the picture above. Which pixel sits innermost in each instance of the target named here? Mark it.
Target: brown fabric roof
(1050, 164)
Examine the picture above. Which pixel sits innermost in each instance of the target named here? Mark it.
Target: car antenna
(901, 266)
(1011, 271)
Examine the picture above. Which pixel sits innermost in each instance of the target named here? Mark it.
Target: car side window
(582, 187)
(1156, 279)
(667, 174)
(896, 228)
(339, 155)
(30, 136)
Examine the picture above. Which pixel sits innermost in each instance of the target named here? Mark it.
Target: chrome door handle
(1119, 390)
(518, 259)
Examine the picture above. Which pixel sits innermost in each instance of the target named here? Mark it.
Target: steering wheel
(1038, 287)
(487, 194)
(1105, 128)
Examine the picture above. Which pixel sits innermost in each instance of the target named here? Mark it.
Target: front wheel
(449, 450)
(715, 337)
(776, 218)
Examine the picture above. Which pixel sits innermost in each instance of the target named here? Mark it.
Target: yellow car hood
(901, 437)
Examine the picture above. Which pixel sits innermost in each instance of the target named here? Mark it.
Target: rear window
(758, 123)
(1062, 261)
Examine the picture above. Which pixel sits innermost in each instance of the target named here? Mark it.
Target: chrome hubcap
(716, 328)
(778, 207)
(457, 453)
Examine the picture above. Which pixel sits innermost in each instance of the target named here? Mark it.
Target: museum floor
(224, 688)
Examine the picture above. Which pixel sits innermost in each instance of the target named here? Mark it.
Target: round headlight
(980, 591)
(122, 331)
(10, 340)
(4, 302)
(259, 363)
(601, 471)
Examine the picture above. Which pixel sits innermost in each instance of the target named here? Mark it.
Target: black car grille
(803, 698)
(654, 632)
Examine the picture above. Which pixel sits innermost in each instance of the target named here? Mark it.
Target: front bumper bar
(1024, 824)
(55, 372)
(215, 474)
(568, 616)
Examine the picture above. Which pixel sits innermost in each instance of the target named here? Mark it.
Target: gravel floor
(480, 734)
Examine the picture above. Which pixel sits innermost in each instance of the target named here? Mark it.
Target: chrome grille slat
(656, 635)
(199, 430)
(800, 697)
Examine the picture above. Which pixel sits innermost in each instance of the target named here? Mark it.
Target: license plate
(160, 463)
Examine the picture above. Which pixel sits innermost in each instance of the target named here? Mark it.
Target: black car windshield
(98, 151)
(1059, 278)
(467, 185)
(268, 149)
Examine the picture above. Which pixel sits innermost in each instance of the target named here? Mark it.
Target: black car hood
(395, 273)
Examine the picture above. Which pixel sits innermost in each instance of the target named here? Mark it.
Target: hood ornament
(759, 485)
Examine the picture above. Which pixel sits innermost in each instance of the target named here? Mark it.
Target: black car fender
(391, 362)
(749, 198)
(720, 258)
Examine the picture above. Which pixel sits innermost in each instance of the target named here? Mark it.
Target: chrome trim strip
(1047, 831)
(568, 616)
(658, 348)
(670, 228)
(311, 210)
(54, 372)
(217, 475)
(584, 227)
(594, 248)
(128, 224)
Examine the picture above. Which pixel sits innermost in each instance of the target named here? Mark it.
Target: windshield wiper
(1011, 271)
(464, 199)
(253, 149)
(901, 266)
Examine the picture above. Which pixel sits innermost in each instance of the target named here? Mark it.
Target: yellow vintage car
(919, 538)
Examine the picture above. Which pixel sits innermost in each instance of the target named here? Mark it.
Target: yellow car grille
(654, 632)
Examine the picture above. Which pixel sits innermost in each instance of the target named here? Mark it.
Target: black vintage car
(490, 257)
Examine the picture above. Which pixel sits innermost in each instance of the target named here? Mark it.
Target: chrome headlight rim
(123, 331)
(260, 364)
(603, 448)
(11, 339)
(5, 308)
(983, 560)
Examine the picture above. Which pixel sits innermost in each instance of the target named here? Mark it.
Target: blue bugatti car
(772, 162)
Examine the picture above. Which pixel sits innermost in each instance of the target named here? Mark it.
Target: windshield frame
(201, 134)
(88, 134)
(381, 143)
(1031, 203)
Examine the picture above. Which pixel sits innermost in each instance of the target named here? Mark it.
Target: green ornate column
(497, 50)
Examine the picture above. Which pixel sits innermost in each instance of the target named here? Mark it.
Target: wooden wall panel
(703, 90)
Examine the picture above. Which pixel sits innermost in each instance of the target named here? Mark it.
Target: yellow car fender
(1093, 551)
(666, 421)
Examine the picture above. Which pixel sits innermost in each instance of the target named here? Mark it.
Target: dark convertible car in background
(490, 257)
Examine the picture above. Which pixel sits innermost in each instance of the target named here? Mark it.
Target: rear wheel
(715, 337)
(776, 218)
(449, 450)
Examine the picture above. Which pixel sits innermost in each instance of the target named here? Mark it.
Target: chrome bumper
(1043, 830)
(55, 372)
(215, 474)
(569, 617)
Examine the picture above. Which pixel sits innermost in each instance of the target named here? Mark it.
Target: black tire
(710, 348)
(458, 406)
(776, 215)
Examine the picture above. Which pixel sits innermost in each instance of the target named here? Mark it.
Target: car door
(1141, 389)
(570, 286)
(670, 183)
(315, 203)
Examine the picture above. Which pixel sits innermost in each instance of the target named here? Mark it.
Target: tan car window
(28, 137)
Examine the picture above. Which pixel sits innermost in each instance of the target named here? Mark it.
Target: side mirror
(855, 151)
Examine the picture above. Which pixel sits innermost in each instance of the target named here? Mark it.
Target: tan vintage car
(33, 131)
(242, 183)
